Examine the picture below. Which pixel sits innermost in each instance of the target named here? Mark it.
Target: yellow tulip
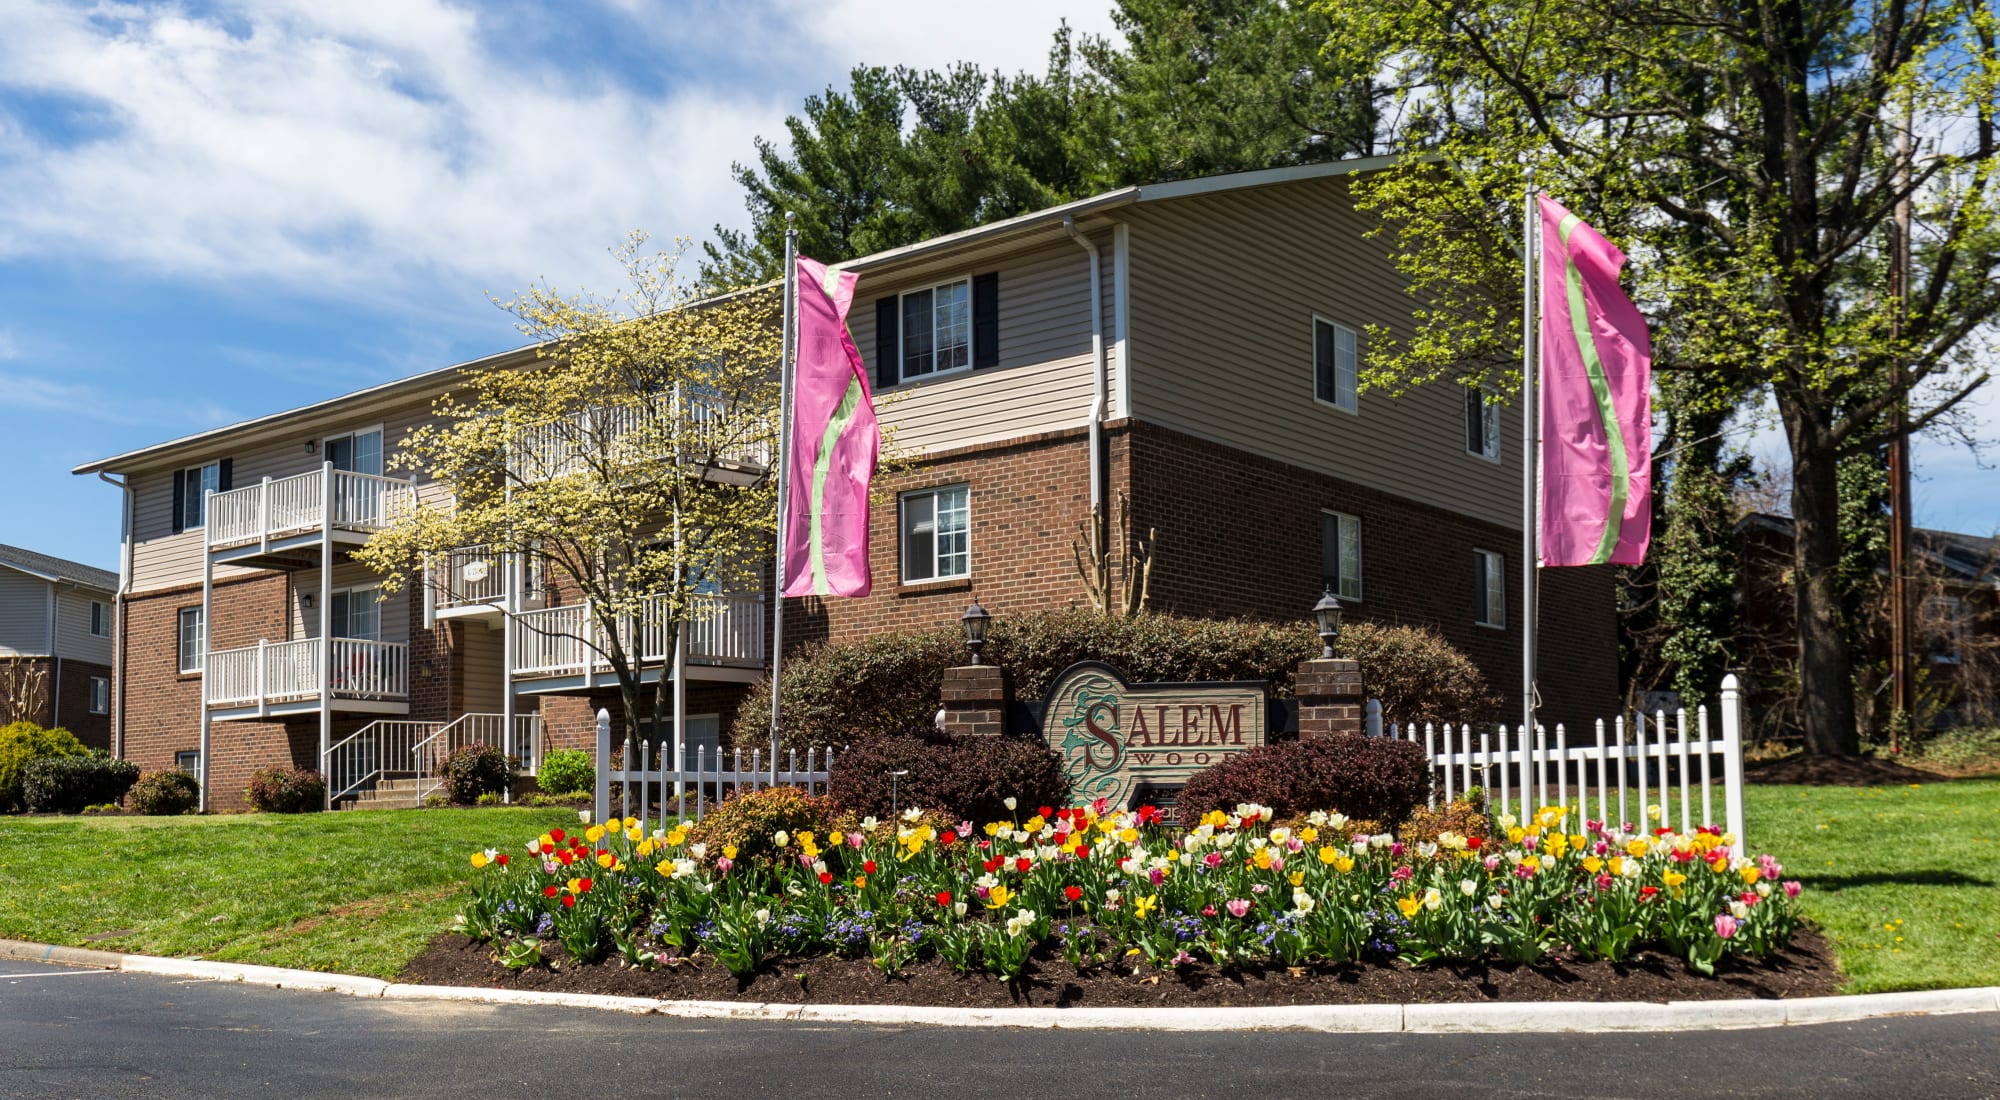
(1143, 906)
(1410, 905)
(1593, 864)
(478, 860)
(999, 896)
(594, 834)
(1636, 848)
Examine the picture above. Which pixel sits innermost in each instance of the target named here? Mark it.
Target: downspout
(1101, 372)
(118, 614)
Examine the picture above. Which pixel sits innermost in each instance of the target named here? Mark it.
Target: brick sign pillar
(1330, 698)
(975, 700)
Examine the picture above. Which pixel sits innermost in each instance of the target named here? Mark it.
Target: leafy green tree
(1745, 152)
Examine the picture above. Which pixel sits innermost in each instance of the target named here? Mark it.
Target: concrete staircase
(387, 794)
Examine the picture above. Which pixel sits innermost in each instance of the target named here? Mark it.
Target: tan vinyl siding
(73, 629)
(395, 610)
(1043, 382)
(24, 614)
(1224, 289)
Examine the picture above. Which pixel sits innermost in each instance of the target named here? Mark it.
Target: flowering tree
(628, 463)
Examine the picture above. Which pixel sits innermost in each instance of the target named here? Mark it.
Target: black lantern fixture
(1327, 613)
(975, 620)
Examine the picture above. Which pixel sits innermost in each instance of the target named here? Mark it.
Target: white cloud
(95, 403)
(368, 149)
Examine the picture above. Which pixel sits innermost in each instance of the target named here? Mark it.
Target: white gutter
(118, 614)
(1101, 372)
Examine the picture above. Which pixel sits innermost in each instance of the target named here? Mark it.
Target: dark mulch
(1813, 770)
(1805, 970)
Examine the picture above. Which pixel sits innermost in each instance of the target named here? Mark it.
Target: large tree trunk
(1826, 689)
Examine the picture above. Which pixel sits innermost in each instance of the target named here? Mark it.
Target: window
(1340, 554)
(357, 613)
(100, 695)
(198, 482)
(1944, 622)
(100, 620)
(937, 329)
(189, 762)
(1489, 588)
(356, 452)
(1335, 377)
(1482, 424)
(935, 524)
(192, 639)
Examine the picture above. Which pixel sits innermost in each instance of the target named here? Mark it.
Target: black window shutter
(1323, 355)
(887, 348)
(180, 500)
(986, 320)
(223, 475)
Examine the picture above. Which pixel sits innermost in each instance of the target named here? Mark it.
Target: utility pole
(1900, 689)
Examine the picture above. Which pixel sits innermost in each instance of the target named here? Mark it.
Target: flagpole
(1530, 458)
(784, 468)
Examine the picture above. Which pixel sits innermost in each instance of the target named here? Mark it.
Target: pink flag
(833, 445)
(1597, 361)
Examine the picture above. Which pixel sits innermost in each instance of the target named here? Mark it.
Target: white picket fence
(1614, 773)
(684, 790)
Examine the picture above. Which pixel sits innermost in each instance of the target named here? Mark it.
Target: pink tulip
(1238, 906)
(1725, 925)
(1792, 888)
(1277, 862)
(1212, 860)
(1492, 864)
(1158, 876)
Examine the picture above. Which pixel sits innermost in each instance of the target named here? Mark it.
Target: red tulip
(569, 901)
(556, 835)
(1473, 843)
(548, 848)
(550, 891)
(583, 887)
(502, 860)
(825, 877)
(1046, 812)
(948, 837)
(944, 897)
(869, 867)
(991, 865)
(1073, 892)
(1023, 864)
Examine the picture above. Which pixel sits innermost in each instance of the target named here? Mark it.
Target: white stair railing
(361, 759)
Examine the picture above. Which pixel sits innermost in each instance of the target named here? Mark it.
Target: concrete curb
(1483, 1017)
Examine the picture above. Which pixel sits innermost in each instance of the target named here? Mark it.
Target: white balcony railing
(471, 575)
(275, 508)
(278, 672)
(606, 434)
(563, 641)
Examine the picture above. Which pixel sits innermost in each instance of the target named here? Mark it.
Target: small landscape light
(1327, 614)
(975, 620)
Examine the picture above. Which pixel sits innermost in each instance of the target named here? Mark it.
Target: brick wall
(570, 721)
(73, 694)
(1240, 535)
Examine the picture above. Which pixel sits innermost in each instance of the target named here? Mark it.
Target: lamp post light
(895, 803)
(975, 620)
(1327, 614)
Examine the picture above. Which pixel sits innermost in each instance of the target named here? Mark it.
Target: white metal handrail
(564, 446)
(271, 672)
(291, 505)
(721, 630)
(359, 760)
(471, 575)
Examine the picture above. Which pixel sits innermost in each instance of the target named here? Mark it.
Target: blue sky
(212, 211)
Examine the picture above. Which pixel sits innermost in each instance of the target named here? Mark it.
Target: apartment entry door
(356, 452)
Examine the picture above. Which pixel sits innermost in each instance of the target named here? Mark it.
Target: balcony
(610, 433)
(555, 647)
(471, 583)
(291, 513)
(274, 679)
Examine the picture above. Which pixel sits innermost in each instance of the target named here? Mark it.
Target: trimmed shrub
(566, 771)
(748, 820)
(964, 778)
(472, 770)
(165, 794)
(1466, 817)
(1362, 777)
(844, 693)
(69, 784)
(21, 743)
(286, 791)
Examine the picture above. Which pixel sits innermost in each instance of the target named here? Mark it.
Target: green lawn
(1905, 880)
(360, 891)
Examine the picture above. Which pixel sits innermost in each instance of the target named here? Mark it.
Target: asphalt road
(83, 1033)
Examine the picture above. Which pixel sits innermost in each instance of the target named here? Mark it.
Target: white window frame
(903, 533)
(200, 641)
(1350, 401)
(1342, 522)
(903, 331)
(381, 446)
(1489, 423)
(100, 695)
(100, 619)
(181, 762)
(1490, 576)
(194, 497)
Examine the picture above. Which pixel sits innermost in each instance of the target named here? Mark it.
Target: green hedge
(23, 743)
(66, 784)
(841, 693)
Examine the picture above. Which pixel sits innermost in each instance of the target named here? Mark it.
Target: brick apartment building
(56, 625)
(1191, 347)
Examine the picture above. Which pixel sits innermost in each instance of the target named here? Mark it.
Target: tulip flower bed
(1122, 892)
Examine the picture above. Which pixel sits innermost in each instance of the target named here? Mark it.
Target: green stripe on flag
(843, 415)
(1600, 386)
